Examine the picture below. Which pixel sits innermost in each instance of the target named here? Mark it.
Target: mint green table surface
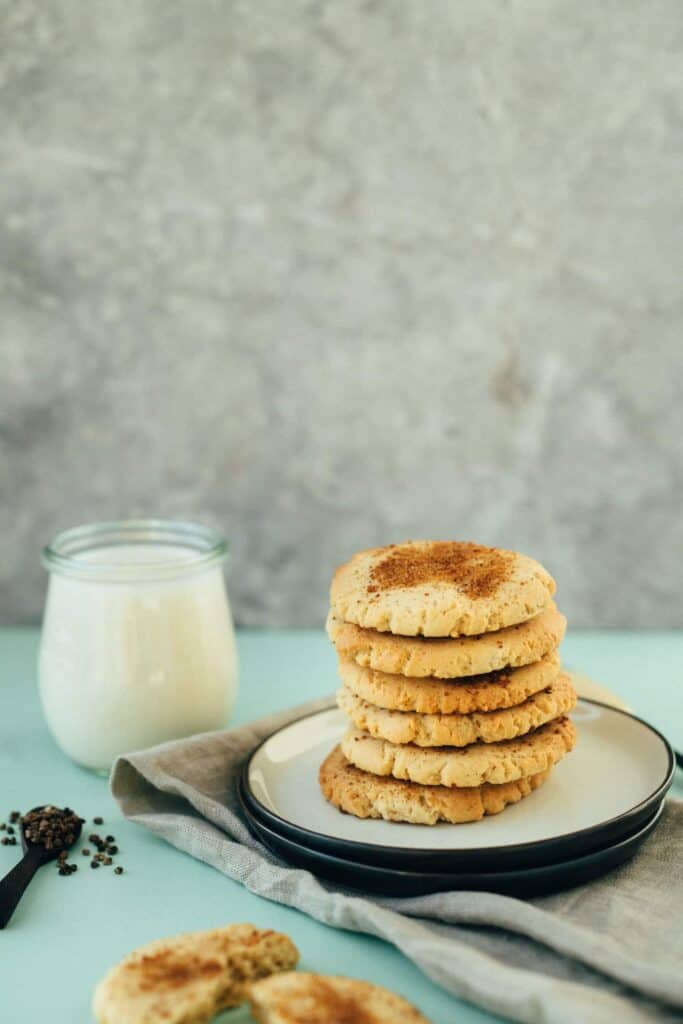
(67, 931)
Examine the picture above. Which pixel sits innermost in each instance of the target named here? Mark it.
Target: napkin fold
(608, 951)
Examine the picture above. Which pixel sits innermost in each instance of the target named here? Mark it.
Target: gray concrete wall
(335, 274)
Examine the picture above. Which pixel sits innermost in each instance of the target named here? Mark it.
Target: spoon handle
(14, 883)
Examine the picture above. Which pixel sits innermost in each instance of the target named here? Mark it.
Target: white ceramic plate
(618, 772)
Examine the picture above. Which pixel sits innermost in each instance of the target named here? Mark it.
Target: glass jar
(138, 644)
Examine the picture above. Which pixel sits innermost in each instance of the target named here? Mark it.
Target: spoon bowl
(40, 849)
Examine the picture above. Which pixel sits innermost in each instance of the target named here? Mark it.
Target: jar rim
(205, 547)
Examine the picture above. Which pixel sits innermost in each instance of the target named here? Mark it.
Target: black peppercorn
(118, 870)
(94, 863)
(10, 831)
(98, 821)
(113, 850)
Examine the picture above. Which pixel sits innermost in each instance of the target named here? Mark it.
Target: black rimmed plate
(609, 786)
(523, 882)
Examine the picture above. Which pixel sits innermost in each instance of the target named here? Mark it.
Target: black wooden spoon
(14, 884)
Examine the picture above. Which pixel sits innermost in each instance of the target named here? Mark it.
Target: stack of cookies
(451, 681)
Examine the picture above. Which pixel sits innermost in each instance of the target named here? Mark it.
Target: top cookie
(439, 588)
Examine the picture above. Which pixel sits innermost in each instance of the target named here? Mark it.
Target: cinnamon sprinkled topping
(169, 969)
(475, 570)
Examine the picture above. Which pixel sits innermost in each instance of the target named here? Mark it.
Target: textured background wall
(334, 274)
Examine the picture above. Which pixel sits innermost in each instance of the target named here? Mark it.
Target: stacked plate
(593, 814)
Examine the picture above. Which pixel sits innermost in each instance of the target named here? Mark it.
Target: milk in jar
(138, 643)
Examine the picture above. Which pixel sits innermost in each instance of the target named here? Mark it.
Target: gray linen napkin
(604, 952)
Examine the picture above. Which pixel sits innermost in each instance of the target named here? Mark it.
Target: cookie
(190, 978)
(439, 588)
(469, 766)
(301, 998)
(452, 658)
(460, 730)
(431, 696)
(374, 796)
